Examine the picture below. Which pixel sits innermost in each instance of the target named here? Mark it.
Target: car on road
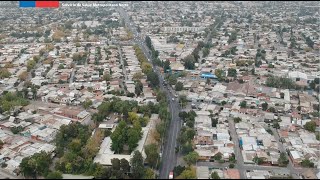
(172, 99)
(171, 175)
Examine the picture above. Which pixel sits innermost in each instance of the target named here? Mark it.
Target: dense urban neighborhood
(160, 90)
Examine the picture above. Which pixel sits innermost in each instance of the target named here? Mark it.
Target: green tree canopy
(152, 77)
(87, 103)
(215, 175)
(138, 89)
(36, 165)
(264, 106)
(151, 151)
(307, 163)
(191, 158)
(243, 104)
(179, 86)
(172, 80)
(310, 126)
(54, 175)
(283, 160)
(189, 62)
(30, 65)
(232, 72)
(137, 168)
(188, 174)
(4, 73)
(149, 174)
(280, 82)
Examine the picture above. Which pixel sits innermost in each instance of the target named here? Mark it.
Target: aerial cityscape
(160, 90)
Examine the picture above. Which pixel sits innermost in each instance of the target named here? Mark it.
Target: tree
(215, 175)
(137, 168)
(16, 130)
(36, 165)
(264, 106)
(1, 144)
(152, 77)
(272, 109)
(178, 170)
(87, 103)
(307, 163)
(183, 100)
(76, 57)
(270, 66)
(219, 73)
(310, 126)
(205, 52)
(119, 137)
(232, 72)
(280, 82)
(217, 156)
(283, 160)
(257, 160)
(36, 58)
(133, 138)
(172, 80)
(137, 76)
(61, 66)
(149, 174)
(179, 86)
(138, 88)
(243, 104)
(23, 76)
(191, 158)
(75, 145)
(124, 165)
(166, 66)
(189, 62)
(151, 151)
(148, 42)
(188, 174)
(146, 67)
(186, 148)
(115, 164)
(317, 136)
(107, 77)
(231, 166)
(276, 125)
(237, 119)
(30, 65)
(232, 37)
(133, 117)
(183, 115)
(54, 175)
(214, 122)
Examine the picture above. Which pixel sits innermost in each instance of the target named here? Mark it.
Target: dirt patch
(153, 135)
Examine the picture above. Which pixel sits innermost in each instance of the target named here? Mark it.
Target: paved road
(124, 71)
(290, 166)
(237, 150)
(21, 84)
(169, 157)
(244, 167)
(72, 75)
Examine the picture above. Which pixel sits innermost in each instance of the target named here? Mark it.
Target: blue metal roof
(208, 75)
